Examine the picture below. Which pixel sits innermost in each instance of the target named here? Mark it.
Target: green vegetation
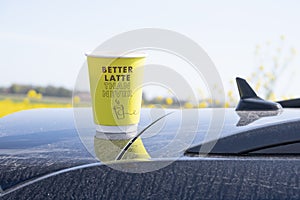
(46, 91)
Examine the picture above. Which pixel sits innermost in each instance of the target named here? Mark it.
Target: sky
(43, 42)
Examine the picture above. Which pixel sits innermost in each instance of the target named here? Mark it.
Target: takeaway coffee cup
(115, 84)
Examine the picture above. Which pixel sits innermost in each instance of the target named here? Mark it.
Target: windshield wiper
(128, 145)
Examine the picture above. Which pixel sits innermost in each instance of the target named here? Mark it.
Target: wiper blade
(291, 103)
(251, 140)
(128, 145)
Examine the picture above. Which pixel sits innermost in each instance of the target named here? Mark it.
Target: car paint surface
(49, 153)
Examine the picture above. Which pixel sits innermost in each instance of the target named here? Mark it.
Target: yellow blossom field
(11, 104)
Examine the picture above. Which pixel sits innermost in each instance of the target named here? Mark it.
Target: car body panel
(45, 153)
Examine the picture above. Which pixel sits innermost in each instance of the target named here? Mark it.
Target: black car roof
(24, 130)
(38, 142)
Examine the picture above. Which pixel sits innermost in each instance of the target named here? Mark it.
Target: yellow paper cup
(115, 84)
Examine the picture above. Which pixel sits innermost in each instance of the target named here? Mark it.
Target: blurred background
(43, 44)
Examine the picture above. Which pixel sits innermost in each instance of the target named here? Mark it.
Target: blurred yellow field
(8, 106)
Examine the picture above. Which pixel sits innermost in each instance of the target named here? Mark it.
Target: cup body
(116, 90)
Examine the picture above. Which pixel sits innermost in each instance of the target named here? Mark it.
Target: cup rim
(107, 54)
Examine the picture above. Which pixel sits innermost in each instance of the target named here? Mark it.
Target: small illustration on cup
(119, 110)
